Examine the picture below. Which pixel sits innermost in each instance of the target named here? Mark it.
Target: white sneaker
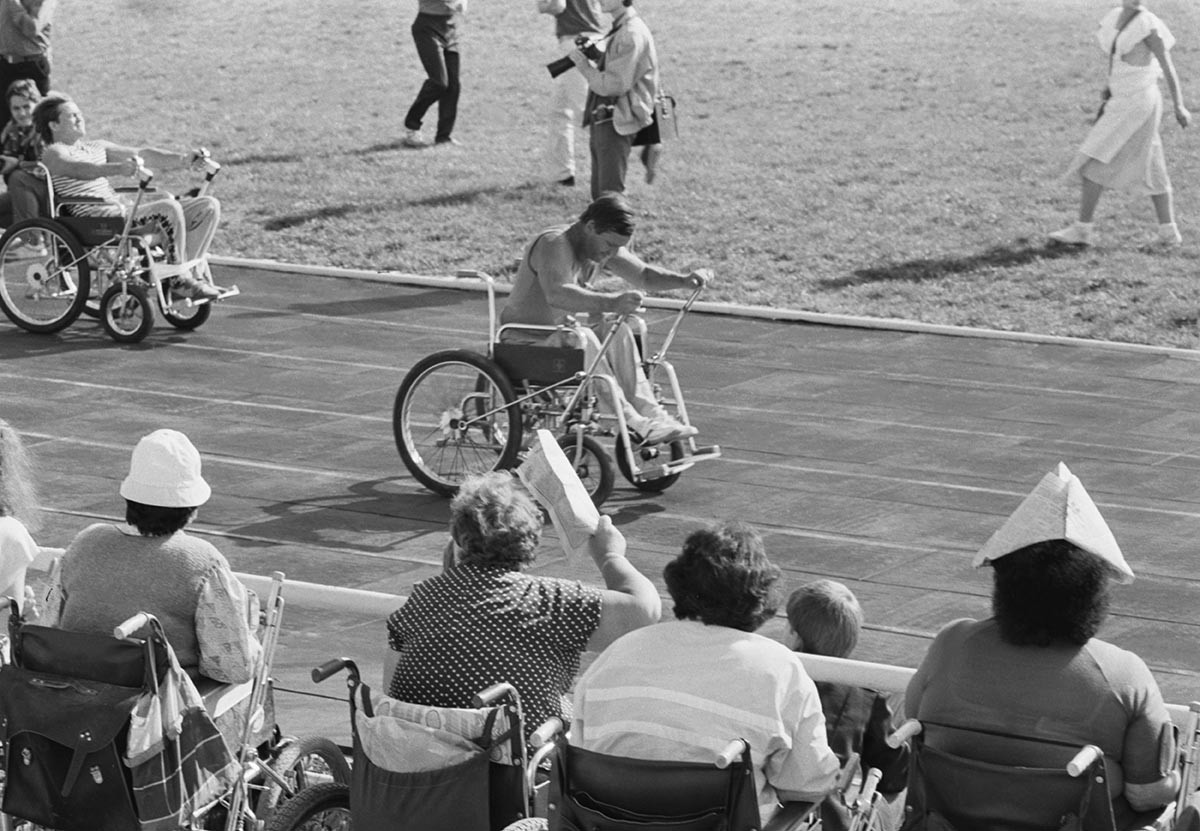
(412, 138)
(1077, 233)
(664, 429)
(1168, 236)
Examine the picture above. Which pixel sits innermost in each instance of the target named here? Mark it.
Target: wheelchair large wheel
(324, 807)
(303, 763)
(648, 485)
(44, 276)
(592, 465)
(454, 417)
(126, 313)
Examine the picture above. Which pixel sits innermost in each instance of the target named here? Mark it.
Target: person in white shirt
(680, 691)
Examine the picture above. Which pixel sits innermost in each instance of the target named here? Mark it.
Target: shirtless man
(553, 280)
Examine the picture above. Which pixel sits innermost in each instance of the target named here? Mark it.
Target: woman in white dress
(1123, 150)
(18, 517)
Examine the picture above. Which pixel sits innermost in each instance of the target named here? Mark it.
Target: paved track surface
(878, 458)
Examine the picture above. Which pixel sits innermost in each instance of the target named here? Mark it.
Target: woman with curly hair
(483, 620)
(679, 691)
(19, 516)
(1032, 684)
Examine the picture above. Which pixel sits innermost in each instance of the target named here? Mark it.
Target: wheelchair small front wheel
(324, 807)
(455, 416)
(302, 764)
(126, 313)
(591, 464)
(647, 485)
(44, 276)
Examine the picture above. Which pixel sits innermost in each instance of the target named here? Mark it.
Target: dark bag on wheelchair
(63, 744)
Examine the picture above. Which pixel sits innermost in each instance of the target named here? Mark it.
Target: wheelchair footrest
(701, 454)
(232, 291)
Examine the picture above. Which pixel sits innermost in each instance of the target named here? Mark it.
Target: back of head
(723, 578)
(18, 496)
(826, 618)
(610, 212)
(495, 522)
(46, 111)
(164, 473)
(1049, 593)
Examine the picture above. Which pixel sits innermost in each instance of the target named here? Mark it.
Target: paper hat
(165, 471)
(1058, 509)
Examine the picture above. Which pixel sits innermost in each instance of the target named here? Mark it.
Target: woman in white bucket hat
(110, 572)
(1033, 677)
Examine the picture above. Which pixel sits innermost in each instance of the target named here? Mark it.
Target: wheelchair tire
(44, 276)
(593, 467)
(126, 313)
(454, 416)
(106, 270)
(324, 807)
(188, 318)
(303, 764)
(648, 485)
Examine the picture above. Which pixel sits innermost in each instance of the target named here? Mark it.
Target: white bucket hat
(165, 471)
(1059, 508)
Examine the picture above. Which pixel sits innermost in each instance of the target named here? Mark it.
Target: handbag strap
(1112, 52)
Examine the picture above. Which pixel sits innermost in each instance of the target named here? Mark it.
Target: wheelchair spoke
(44, 276)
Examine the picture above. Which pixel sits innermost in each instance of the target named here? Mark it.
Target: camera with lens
(564, 64)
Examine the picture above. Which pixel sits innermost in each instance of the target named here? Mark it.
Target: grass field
(880, 158)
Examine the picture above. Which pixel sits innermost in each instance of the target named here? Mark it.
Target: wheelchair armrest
(219, 698)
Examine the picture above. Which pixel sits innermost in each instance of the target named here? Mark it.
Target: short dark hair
(23, 88)
(495, 521)
(610, 211)
(46, 112)
(1049, 592)
(723, 578)
(826, 617)
(155, 520)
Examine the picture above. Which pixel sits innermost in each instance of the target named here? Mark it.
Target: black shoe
(568, 182)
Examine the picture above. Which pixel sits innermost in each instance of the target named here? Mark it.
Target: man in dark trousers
(435, 33)
(24, 45)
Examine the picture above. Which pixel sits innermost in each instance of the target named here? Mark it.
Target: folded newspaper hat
(1059, 508)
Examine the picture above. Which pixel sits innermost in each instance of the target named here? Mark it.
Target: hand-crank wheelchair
(54, 268)
(101, 733)
(459, 413)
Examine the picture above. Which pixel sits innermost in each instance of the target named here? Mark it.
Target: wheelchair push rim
(44, 276)
(455, 416)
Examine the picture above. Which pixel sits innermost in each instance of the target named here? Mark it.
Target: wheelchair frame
(272, 773)
(98, 266)
(503, 408)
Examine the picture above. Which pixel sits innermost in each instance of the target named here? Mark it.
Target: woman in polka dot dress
(483, 620)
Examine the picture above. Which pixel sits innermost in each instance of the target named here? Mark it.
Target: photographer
(622, 84)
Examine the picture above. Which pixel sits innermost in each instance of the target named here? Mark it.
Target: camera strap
(1112, 52)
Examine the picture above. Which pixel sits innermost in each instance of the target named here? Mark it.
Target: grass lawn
(894, 159)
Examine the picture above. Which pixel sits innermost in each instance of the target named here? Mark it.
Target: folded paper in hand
(552, 480)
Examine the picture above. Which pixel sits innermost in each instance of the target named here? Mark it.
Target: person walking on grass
(435, 33)
(1123, 150)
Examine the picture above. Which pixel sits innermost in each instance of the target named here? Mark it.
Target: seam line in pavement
(726, 309)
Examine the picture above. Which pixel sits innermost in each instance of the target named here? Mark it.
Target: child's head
(825, 619)
(22, 96)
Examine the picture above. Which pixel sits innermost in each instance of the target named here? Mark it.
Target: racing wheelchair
(76, 708)
(459, 413)
(57, 267)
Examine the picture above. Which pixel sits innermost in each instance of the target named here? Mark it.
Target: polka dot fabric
(471, 627)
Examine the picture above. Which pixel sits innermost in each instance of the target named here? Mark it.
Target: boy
(824, 618)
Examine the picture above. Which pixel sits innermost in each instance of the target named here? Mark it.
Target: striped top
(91, 152)
(680, 691)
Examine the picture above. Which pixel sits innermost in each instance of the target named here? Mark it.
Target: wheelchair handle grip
(330, 667)
(904, 732)
(867, 793)
(495, 694)
(545, 734)
(1084, 759)
(135, 623)
(732, 752)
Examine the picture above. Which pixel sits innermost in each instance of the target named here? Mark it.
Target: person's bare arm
(630, 599)
(157, 159)
(555, 265)
(1168, 67)
(630, 268)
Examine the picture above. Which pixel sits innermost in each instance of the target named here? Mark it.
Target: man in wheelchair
(553, 282)
(80, 172)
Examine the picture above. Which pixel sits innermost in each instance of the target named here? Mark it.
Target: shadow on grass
(920, 270)
(467, 197)
(280, 223)
(262, 158)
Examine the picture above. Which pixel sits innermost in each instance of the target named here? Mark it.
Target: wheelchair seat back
(539, 365)
(610, 793)
(93, 231)
(974, 795)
